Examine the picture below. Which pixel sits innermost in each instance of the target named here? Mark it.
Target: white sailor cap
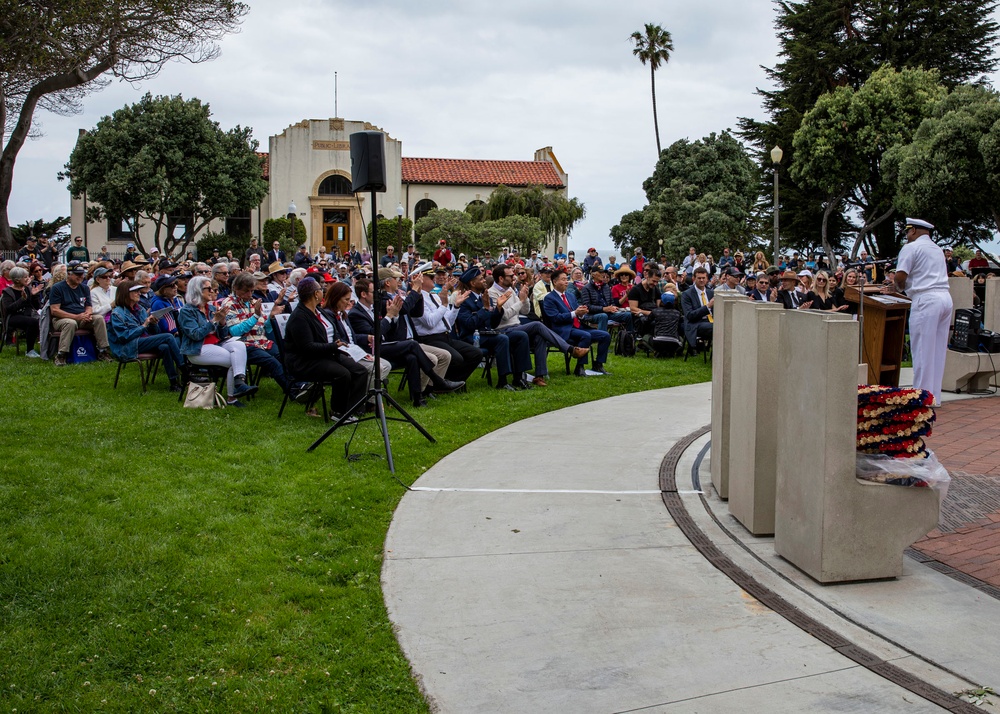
(917, 223)
(425, 268)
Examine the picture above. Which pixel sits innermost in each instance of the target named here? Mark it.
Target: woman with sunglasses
(205, 339)
(822, 296)
(102, 294)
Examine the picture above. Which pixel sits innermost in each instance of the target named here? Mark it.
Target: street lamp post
(399, 226)
(776, 154)
(291, 221)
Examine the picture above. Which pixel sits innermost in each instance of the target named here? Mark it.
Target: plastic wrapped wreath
(893, 424)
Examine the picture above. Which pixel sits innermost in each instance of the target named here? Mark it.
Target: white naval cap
(917, 223)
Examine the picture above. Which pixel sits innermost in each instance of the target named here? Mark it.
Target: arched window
(423, 207)
(335, 185)
(475, 208)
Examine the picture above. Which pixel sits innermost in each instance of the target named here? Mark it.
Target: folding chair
(149, 366)
(12, 335)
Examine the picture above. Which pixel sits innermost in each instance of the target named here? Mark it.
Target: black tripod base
(378, 397)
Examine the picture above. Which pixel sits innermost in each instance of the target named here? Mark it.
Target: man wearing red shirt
(979, 261)
(443, 255)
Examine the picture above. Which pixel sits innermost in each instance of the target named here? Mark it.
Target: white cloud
(464, 80)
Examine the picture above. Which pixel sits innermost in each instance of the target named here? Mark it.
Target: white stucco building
(309, 164)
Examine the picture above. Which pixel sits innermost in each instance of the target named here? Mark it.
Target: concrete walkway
(538, 571)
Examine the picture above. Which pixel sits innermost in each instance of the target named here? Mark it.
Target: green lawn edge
(161, 559)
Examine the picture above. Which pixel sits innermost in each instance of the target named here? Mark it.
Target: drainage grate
(676, 509)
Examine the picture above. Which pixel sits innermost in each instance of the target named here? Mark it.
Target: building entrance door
(336, 230)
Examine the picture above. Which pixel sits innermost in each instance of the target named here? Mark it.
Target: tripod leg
(339, 423)
(380, 415)
(409, 418)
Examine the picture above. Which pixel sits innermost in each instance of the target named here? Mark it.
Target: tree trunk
(827, 212)
(18, 136)
(656, 123)
(866, 229)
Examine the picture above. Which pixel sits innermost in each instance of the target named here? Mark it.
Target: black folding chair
(149, 366)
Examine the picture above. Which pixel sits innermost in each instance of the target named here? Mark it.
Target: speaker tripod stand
(376, 396)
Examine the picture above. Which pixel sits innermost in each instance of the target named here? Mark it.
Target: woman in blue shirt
(132, 331)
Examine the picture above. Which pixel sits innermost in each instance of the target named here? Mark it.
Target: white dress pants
(930, 317)
(231, 354)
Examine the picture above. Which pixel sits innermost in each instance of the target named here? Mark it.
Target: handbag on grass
(202, 395)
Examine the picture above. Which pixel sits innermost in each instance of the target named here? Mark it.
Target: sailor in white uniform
(922, 272)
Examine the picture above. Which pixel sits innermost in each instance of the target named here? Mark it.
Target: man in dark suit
(276, 254)
(762, 290)
(396, 349)
(479, 313)
(697, 303)
(788, 296)
(563, 315)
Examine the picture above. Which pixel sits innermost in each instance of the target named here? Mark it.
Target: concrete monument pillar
(991, 306)
(961, 293)
(753, 434)
(722, 383)
(828, 523)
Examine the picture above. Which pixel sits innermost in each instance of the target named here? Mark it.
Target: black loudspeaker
(989, 341)
(367, 161)
(965, 337)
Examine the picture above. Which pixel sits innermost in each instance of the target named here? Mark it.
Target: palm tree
(653, 47)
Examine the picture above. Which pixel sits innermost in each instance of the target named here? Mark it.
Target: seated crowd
(439, 320)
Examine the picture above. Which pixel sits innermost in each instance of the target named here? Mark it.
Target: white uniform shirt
(923, 262)
(437, 318)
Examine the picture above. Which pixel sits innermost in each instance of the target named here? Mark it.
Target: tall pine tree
(825, 44)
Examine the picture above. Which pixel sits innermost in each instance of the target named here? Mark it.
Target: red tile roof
(481, 172)
(267, 164)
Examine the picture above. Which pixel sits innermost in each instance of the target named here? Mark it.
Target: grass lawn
(156, 558)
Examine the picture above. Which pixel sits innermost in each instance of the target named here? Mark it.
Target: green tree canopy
(392, 231)
(948, 173)
(52, 53)
(556, 214)
(701, 193)
(827, 44)
(464, 235)
(39, 226)
(521, 232)
(453, 227)
(840, 144)
(278, 229)
(164, 158)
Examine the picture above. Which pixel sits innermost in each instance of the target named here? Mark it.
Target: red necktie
(576, 321)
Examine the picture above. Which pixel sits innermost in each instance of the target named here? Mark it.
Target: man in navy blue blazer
(479, 314)
(696, 304)
(563, 315)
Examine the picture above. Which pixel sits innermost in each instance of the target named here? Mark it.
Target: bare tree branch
(53, 52)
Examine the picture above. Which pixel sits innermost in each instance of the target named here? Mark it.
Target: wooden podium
(882, 333)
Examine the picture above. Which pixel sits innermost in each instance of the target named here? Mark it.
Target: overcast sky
(463, 80)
